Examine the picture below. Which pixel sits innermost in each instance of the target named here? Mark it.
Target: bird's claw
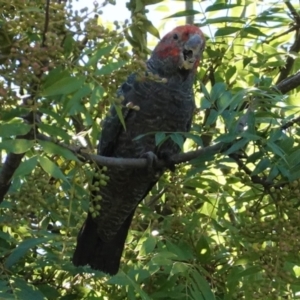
(169, 163)
(151, 159)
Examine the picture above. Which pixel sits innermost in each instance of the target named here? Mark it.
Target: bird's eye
(175, 36)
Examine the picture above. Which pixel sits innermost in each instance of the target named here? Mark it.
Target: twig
(135, 162)
(290, 123)
(294, 27)
(46, 23)
(156, 197)
(189, 5)
(254, 178)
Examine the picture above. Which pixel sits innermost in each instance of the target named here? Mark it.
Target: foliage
(226, 226)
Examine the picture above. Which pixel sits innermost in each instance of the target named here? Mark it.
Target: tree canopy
(224, 225)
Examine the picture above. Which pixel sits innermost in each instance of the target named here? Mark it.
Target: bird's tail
(100, 255)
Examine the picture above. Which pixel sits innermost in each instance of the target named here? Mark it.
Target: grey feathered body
(163, 107)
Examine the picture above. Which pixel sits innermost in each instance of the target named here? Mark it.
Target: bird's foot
(151, 160)
(169, 162)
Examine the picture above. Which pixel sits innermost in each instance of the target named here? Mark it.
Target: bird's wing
(112, 125)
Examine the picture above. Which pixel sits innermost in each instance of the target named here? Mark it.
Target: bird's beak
(192, 51)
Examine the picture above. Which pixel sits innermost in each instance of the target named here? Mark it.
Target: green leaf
(179, 267)
(21, 250)
(53, 130)
(111, 67)
(54, 76)
(119, 112)
(56, 116)
(68, 44)
(273, 173)
(202, 285)
(246, 61)
(49, 291)
(151, 29)
(254, 31)
(5, 293)
(139, 5)
(226, 31)
(12, 113)
(237, 146)
(204, 103)
(73, 104)
(63, 86)
(52, 148)
(97, 95)
(160, 137)
(230, 72)
(224, 20)
(218, 89)
(17, 146)
(212, 117)
(205, 91)
(123, 279)
(178, 139)
(261, 166)
(7, 130)
(51, 168)
(203, 249)
(293, 159)
(148, 245)
(25, 291)
(276, 150)
(98, 54)
(249, 271)
(229, 100)
(26, 167)
(184, 13)
(163, 258)
(220, 6)
(195, 138)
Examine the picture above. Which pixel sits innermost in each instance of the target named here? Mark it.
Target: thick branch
(289, 83)
(11, 163)
(294, 48)
(293, 11)
(9, 167)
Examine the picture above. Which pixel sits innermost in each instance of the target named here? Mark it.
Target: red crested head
(181, 48)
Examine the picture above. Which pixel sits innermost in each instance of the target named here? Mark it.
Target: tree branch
(294, 48)
(135, 162)
(289, 83)
(11, 163)
(46, 23)
(282, 34)
(189, 5)
(290, 123)
(9, 167)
